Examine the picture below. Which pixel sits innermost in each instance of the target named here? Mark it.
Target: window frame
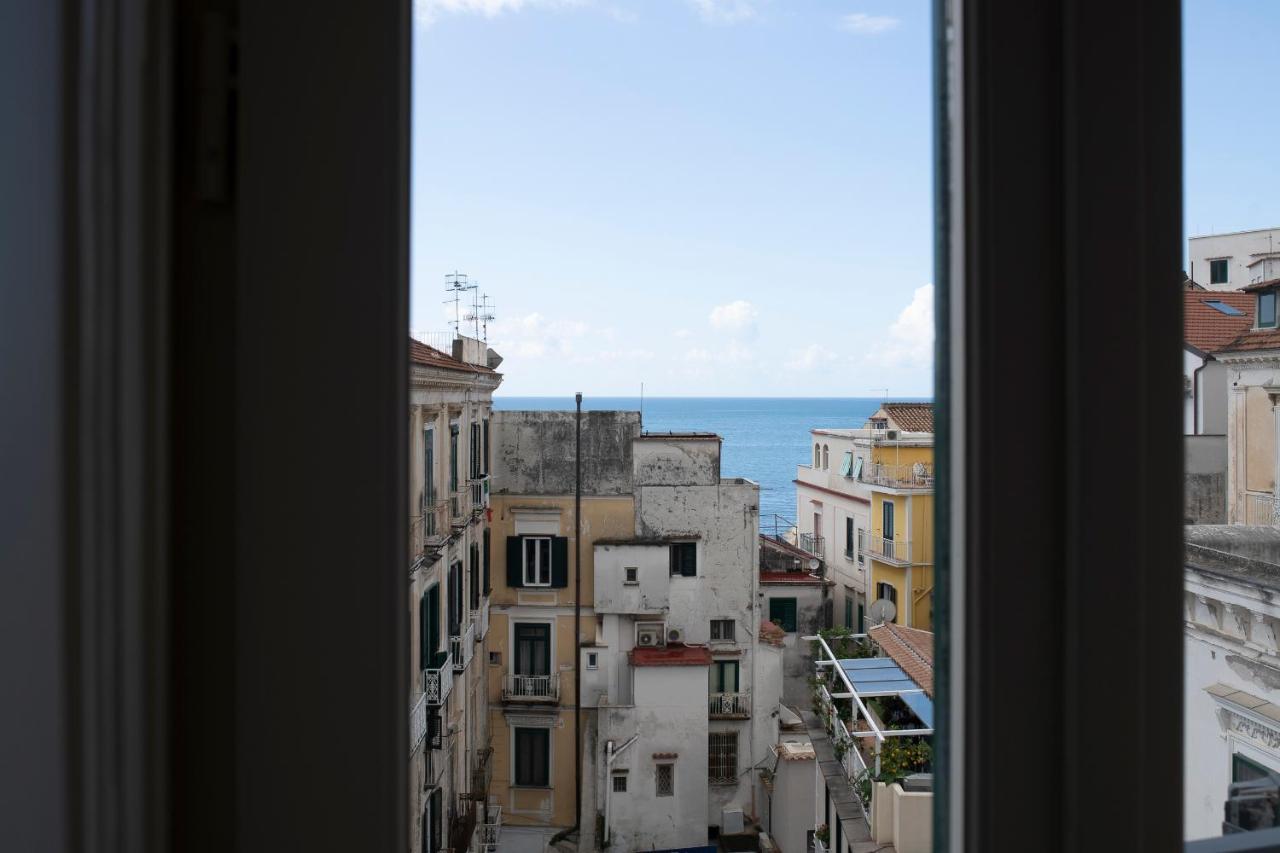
(669, 768)
(677, 563)
(795, 613)
(1271, 297)
(519, 733)
(525, 543)
(1226, 270)
(717, 630)
(631, 575)
(713, 766)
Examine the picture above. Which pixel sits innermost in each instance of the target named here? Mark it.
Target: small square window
(1218, 273)
(619, 783)
(495, 658)
(722, 629)
(593, 659)
(666, 780)
(631, 574)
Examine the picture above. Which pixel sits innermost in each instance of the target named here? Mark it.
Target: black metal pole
(577, 615)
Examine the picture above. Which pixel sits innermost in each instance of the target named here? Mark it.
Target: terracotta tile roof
(1261, 285)
(1208, 329)
(1254, 339)
(789, 751)
(771, 633)
(671, 654)
(420, 353)
(910, 648)
(912, 417)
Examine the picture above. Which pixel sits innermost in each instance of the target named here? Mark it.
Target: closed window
(533, 756)
(848, 611)
(593, 660)
(817, 456)
(1218, 273)
(724, 676)
(684, 559)
(848, 537)
(665, 780)
(782, 612)
(631, 574)
(722, 629)
(619, 783)
(887, 591)
(861, 558)
(886, 525)
(826, 457)
(1267, 309)
(533, 649)
(537, 561)
(722, 758)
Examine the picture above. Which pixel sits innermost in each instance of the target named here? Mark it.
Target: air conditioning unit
(731, 821)
(650, 634)
(675, 635)
(891, 434)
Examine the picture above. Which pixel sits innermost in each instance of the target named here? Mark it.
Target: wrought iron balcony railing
(437, 680)
(462, 647)
(531, 688)
(729, 704)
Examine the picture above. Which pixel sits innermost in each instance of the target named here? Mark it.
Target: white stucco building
(1231, 608)
(1235, 259)
(686, 689)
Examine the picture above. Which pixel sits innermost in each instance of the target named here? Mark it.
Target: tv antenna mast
(457, 284)
(481, 313)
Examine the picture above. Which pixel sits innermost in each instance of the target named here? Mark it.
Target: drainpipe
(1195, 396)
(577, 614)
(611, 755)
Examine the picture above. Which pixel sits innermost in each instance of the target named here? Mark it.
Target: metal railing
(462, 647)
(729, 704)
(818, 846)
(417, 723)
(915, 476)
(480, 619)
(531, 688)
(490, 827)
(897, 551)
(437, 681)
(812, 542)
(1261, 509)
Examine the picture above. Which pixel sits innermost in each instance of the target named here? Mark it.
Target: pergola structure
(864, 678)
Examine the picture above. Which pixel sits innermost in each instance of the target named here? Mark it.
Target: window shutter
(423, 627)
(488, 554)
(514, 579)
(560, 561)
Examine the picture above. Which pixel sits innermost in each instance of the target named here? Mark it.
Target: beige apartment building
(450, 400)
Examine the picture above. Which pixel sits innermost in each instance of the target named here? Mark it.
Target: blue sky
(731, 197)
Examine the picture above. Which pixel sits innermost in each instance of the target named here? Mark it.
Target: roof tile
(912, 417)
(910, 648)
(1208, 329)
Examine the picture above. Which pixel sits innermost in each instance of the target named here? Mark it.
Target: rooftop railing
(915, 476)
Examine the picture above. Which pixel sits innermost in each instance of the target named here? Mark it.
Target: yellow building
(533, 653)
(897, 470)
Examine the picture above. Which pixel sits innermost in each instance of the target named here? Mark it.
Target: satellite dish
(814, 564)
(882, 610)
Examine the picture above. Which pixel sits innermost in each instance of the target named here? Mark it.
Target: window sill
(530, 787)
(631, 583)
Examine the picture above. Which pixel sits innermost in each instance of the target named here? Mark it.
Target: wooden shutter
(560, 561)
(433, 626)
(515, 580)
(488, 549)
(423, 627)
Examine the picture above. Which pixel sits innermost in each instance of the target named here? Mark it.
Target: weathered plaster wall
(675, 461)
(533, 452)
(797, 667)
(670, 716)
(649, 594)
(1204, 491)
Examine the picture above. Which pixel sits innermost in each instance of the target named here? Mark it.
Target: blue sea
(765, 438)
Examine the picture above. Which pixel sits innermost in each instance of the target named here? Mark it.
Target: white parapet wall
(902, 818)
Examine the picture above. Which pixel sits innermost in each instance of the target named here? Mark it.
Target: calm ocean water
(764, 437)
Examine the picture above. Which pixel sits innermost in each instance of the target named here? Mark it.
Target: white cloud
(868, 25)
(427, 11)
(736, 316)
(732, 353)
(681, 333)
(910, 342)
(810, 357)
(726, 11)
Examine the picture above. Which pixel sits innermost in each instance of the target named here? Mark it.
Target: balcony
(462, 646)
(812, 543)
(897, 552)
(480, 619)
(531, 688)
(916, 476)
(417, 723)
(437, 680)
(490, 827)
(818, 846)
(479, 492)
(1261, 509)
(723, 706)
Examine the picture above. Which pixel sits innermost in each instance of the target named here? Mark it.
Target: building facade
(449, 557)
(865, 507)
(1234, 260)
(1232, 660)
(797, 600)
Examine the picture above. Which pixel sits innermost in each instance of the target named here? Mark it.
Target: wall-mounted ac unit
(651, 634)
(891, 434)
(675, 635)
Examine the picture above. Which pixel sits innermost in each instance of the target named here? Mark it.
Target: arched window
(826, 458)
(817, 456)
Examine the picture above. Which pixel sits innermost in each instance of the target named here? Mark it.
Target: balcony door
(533, 649)
(724, 676)
(887, 521)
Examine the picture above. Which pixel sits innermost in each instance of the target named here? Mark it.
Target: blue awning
(883, 677)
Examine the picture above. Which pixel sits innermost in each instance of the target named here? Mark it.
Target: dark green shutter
(423, 627)
(488, 549)
(560, 561)
(433, 627)
(515, 580)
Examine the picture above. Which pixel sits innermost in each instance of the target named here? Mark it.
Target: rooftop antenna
(884, 398)
(457, 284)
(480, 313)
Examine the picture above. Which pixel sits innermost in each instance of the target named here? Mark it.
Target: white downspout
(610, 755)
